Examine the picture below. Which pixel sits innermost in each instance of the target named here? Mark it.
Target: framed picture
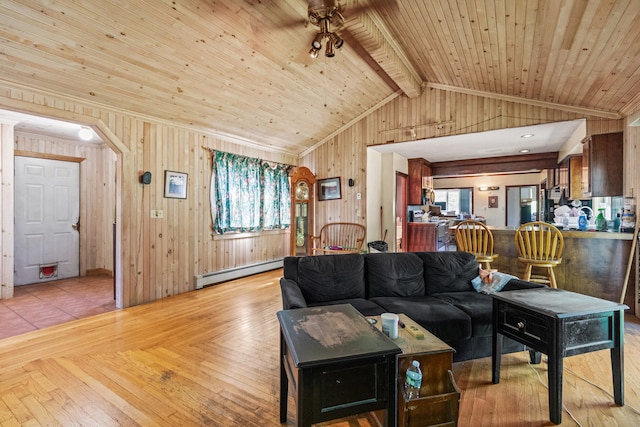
(329, 189)
(493, 201)
(175, 185)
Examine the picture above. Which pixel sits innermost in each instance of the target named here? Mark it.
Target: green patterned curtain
(250, 194)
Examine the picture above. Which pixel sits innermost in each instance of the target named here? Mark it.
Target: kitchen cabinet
(419, 178)
(570, 177)
(422, 236)
(602, 158)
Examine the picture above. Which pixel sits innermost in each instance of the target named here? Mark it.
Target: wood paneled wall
(435, 113)
(159, 257)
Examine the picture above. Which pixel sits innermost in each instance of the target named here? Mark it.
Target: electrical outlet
(157, 213)
(358, 196)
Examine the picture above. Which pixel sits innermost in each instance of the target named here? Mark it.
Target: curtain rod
(212, 150)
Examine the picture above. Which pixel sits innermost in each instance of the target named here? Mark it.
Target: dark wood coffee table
(559, 324)
(337, 364)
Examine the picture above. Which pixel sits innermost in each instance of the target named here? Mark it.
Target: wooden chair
(475, 237)
(339, 237)
(539, 244)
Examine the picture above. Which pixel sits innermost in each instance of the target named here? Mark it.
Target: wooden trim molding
(48, 156)
(527, 101)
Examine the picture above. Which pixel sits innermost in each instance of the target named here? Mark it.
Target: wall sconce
(488, 188)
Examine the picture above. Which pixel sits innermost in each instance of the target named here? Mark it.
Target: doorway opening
(48, 138)
(522, 204)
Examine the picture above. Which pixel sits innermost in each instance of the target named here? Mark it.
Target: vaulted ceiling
(242, 68)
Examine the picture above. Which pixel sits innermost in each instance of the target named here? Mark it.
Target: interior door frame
(402, 189)
(520, 187)
(7, 194)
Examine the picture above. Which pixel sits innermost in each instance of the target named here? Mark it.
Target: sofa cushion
(394, 274)
(331, 277)
(448, 271)
(478, 307)
(440, 318)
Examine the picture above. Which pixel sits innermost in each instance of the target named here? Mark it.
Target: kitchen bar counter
(593, 263)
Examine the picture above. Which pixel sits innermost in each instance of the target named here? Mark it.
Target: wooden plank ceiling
(242, 68)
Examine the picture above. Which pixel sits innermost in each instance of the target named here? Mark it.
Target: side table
(559, 324)
(337, 364)
(439, 400)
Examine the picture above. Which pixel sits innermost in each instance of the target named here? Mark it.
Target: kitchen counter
(593, 262)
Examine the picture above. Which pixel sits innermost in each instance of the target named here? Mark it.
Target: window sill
(249, 235)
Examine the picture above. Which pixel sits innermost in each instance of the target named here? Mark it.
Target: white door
(47, 208)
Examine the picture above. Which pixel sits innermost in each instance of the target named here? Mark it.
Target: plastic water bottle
(413, 381)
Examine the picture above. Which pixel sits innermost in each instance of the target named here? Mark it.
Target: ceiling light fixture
(85, 133)
(525, 150)
(527, 135)
(325, 15)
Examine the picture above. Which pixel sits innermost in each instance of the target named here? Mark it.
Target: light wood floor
(210, 358)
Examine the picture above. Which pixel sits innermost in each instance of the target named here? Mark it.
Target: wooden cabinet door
(419, 177)
(421, 237)
(586, 167)
(575, 177)
(606, 166)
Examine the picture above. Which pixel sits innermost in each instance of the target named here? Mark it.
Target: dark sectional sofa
(432, 288)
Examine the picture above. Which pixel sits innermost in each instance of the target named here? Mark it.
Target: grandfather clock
(302, 210)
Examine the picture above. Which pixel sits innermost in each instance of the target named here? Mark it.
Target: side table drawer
(526, 327)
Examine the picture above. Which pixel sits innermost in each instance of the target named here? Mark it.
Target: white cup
(390, 325)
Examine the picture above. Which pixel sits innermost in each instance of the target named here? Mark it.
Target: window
(454, 201)
(249, 194)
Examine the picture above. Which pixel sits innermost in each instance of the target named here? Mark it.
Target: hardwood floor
(210, 358)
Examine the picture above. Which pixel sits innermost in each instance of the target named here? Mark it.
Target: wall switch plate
(157, 213)
(358, 196)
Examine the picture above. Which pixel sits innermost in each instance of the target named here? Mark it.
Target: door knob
(76, 226)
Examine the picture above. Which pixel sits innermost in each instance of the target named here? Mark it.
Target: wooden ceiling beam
(369, 31)
(528, 101)
(489, 165)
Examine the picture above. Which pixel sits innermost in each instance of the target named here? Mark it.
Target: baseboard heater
(214, 277)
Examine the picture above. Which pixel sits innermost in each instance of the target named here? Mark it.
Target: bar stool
(476, 238)
(539, 244)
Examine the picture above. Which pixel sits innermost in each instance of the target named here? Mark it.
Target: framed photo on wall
(493, 201)
(175, 185)
(329, 189)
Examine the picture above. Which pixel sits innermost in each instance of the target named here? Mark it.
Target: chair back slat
(345, 235)
(475, 237)
(540, 241)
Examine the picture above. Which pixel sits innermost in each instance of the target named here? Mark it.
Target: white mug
(390, 324)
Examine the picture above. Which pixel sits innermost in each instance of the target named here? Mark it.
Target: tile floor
(46, 304)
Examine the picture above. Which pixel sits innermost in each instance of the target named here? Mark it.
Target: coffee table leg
(392, 397)
(496, 339)
(617, 358)
(555, 387)
(284, 383)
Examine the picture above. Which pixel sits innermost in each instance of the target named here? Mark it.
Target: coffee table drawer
(529, 328)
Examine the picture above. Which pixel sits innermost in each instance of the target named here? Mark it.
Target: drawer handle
(520, 325)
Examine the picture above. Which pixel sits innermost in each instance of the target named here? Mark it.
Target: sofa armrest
(517, 284)
(291, 295)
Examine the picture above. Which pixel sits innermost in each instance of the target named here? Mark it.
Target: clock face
(302, 191)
